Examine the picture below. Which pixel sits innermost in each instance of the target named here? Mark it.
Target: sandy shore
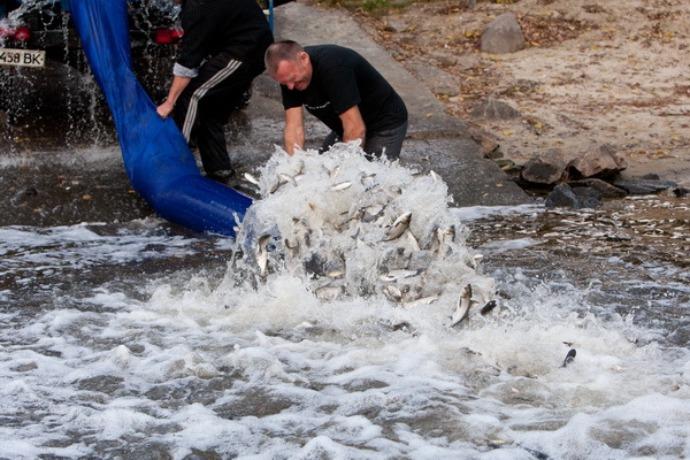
(593, 73)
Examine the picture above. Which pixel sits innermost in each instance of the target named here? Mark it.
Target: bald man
(343, 90)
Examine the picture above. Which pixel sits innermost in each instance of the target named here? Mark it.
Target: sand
(599, 73)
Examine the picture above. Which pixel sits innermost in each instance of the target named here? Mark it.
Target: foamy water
(168, 355)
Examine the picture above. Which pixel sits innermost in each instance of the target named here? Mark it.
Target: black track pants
(203, 108)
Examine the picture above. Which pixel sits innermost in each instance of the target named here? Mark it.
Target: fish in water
(421, 301)
(261, 254)
(251, 179)
(392, 293)
(341, 186)
(395, 275)
(398, 227)
(490, 305)
(329, 292)
(569, 358)
(462, 310)
(413, 241)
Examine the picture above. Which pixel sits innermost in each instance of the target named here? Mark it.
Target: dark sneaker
(221, 175)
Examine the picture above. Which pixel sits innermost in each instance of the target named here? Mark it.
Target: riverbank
(592, 74)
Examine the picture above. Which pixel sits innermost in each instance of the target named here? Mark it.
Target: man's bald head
(288, 64)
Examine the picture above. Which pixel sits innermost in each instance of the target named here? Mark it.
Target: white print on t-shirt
(318, 107)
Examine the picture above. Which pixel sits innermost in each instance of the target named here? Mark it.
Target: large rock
(602, 162)
(493, 109)
(562, 196)
(545, 169)
(503, 35)
(604, 188)
(587, 197)
(644, 186)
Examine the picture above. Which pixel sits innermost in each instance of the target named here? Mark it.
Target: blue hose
(159, 164)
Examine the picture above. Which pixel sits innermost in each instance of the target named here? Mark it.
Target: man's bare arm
(353, 125)
(294, 129)
(178, 85)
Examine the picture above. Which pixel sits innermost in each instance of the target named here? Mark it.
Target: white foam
(259, 367)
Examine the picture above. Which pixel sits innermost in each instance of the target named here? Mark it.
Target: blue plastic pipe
(158, 161)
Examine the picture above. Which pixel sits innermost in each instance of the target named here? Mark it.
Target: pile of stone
(582, 182)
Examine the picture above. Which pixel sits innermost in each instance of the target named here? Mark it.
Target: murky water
(134, 340)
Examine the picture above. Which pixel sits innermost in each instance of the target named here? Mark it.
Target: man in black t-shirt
(220, 54)
(340, 88)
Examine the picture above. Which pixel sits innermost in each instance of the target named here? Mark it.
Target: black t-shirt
(341, 79)
(237, 27)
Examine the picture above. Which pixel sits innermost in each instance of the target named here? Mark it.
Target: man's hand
(178, 85)
(353, 125)
(165, 109)
(293, 135)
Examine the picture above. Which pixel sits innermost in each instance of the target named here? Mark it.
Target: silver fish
(398, 227)
(569, 358)
(251, 179)
(442, 238)
(486, 309)
(292, 246)
(287, 178)
(395, 275)
(413, 241)
(462, 310)
(341, 186)
(373, 212)
(261, 253)
(392, 293)
(422, 301)
(329, 292)
(475, 260)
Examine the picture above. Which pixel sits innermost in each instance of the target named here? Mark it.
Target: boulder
(604, 188)
(545, 169)
(587, 197)
(503, 35)
(602, 162)
(562, 196)
(644, 186)
(493, 109)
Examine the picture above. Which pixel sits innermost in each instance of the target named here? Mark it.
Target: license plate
(23, 58)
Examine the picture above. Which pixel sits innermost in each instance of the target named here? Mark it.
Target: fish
(392, 292)
(421, 301)
(398, 227)
(287, 178)
(251, 179)
(302, 231)
(371, 213)
(292, 246)
(332, 173)
(341, 186)
(261, 254)
(569, 358)
(364, 177)
(486, 309)
(476, 259)
(413, 241)
(462, 310)
(395, 275)
(329, 292)
(441, 238)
